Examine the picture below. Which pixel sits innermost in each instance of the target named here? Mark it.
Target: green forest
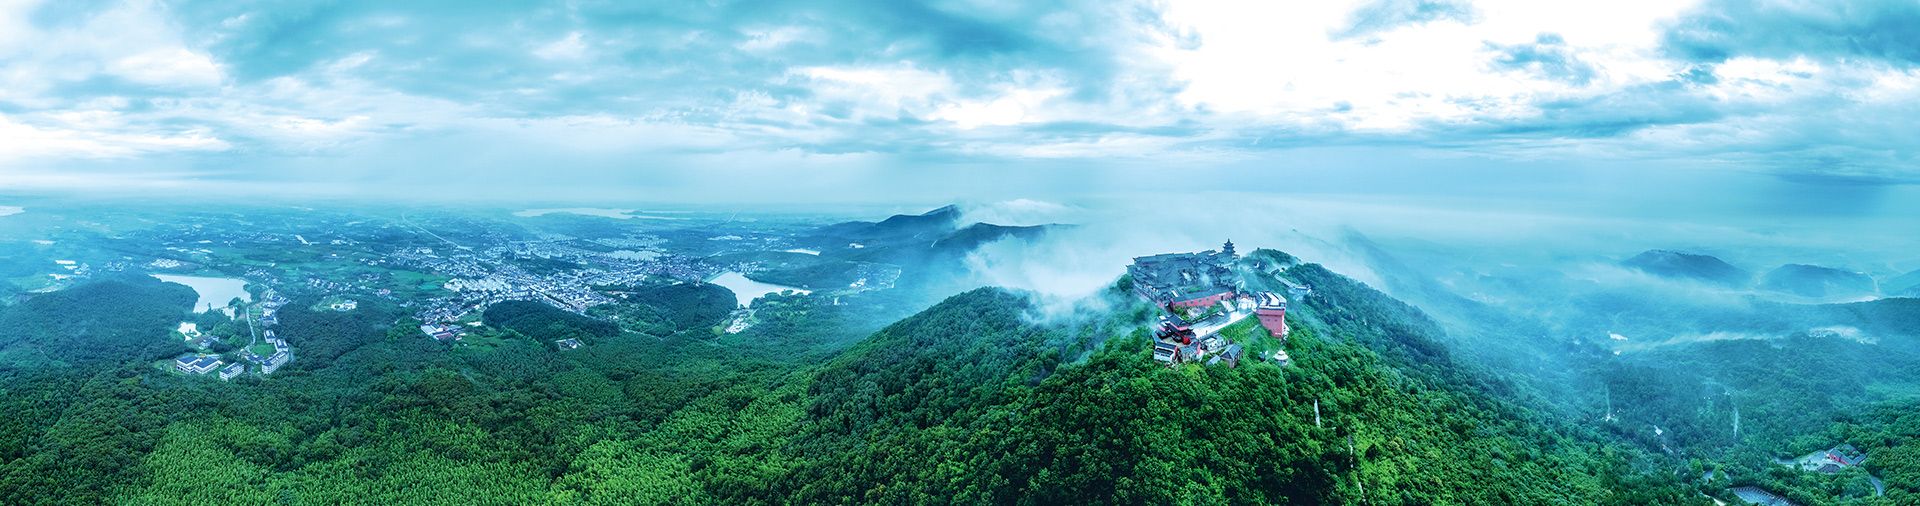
(970, 401)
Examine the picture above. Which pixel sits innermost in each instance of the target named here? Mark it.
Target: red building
(1175, 329)
(1272, 310)
(1203, 299)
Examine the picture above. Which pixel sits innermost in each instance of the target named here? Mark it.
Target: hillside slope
(968, 402)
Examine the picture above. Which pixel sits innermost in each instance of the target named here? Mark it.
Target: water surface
(216, 291)
(746, 289)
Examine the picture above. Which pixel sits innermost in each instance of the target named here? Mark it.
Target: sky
(1740, 107)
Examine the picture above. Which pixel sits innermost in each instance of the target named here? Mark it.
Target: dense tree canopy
(974, 400)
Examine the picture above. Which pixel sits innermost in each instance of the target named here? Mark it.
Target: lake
(216, 291)
(746, 289)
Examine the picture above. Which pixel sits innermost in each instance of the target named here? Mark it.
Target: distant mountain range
(937, 221)
(1906, 285)
(927, 248)
(1795, 279)
(1677, 265)
(1816, 281)
(935, 232)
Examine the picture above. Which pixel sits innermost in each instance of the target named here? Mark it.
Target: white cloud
(1275, 59)
(1224, 85)
(570, 48)
(169, 66)
(1011, 108)
(94, 134)
(879, 90)
(1021, 212)
(769, 39)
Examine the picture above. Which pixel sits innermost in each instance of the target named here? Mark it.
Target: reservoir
(216, 291)
(746, 289)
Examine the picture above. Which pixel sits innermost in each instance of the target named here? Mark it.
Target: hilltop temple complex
(1205, 285)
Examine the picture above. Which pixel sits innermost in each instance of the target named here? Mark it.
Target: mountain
(926, 249)
(972, 401)
(1677, 265)
(937, 221)
(1906, 285)
(966, 239)
(1816, 281)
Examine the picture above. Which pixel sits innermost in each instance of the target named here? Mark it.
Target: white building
(197, 364)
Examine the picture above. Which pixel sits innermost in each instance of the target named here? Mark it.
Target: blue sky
(1810, 103)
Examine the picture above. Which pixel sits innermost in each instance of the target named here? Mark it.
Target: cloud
(931, 96)
(1067, 266)
(1021, 213)
(94, 134)
(1383, 15)
(1720, 30)
(1547, 56)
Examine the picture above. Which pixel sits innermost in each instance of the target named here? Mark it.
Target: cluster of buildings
(203, 364)
(282, 353)
(566, 291)
(442, 331)
(876, 276)
(1209, 350)
(487, 279)
(633, 242)
(1831, 461)
(1202, 284)
(197, 364)
(270, 308)
(424, 258)
(191, 332)
(443, 309)
(327, 286)
(1185, 280)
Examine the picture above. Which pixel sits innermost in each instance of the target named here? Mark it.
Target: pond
(746, 289)
(215, 291)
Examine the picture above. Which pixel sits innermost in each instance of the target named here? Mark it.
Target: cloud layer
(777, 98)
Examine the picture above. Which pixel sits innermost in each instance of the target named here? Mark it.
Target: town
(443, 269)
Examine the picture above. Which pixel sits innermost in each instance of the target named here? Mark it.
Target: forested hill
(971, 401)
(968, 402)
(108, 321)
